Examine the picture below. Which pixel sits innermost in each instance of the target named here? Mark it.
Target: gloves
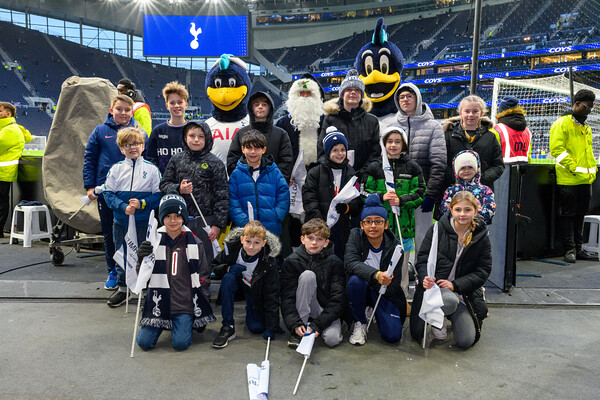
(144, 249)
(342, 208)
(428, 203)
(268, 334)
(237, 269)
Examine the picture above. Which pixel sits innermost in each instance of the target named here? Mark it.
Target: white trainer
(440, 333)
(359, 334)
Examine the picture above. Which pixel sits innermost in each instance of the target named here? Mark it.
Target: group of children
(333, 276)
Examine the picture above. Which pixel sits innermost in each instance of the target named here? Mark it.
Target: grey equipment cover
(82, 105)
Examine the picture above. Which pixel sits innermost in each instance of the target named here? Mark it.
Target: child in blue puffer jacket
(256, 181)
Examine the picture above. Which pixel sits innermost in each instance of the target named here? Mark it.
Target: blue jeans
(229, 285)
(181, 335)
(388, 315)
(119, 233)
(106, 222)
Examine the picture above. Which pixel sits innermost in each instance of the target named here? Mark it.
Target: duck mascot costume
(379, 64)
(227, 86)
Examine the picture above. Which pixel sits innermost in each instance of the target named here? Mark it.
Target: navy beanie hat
(172, 203)
(507, 103)
(372, 207)
(333, 137)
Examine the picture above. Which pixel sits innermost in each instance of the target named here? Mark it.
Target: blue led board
(467, 60)
(512, 74)
(195, 36)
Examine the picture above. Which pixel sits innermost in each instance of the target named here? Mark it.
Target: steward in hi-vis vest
(512, 132)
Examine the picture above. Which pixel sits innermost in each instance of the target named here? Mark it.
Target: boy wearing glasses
(131, 188)
(368, 254)
(571, 145)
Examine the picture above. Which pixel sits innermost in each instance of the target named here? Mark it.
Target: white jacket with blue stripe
(132, 179)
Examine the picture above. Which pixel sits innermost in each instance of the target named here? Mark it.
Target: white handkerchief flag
(348, 193)
(431, 309)
(305, 348)
(258, 378)
(145, 272)
(299, 177)
(250, 212)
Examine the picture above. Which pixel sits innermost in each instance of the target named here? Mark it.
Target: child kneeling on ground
(174, 298)
(313, 292)
(368, 254)
(248, 263)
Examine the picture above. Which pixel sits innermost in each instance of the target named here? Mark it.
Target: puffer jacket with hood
(278, 141)
(269, 195)
(472, 270)
(331, 287)
(482, 193)
(360, 128)
(207, 174)
(102, 151)
(425, 141)
(264, 287)
(484, 143)
(12, 141)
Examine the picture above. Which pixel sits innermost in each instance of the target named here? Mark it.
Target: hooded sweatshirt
(207, 174)
(426, 142)
(482, 193)
(279, 146)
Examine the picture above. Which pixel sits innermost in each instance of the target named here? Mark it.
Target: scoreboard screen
(195, 36)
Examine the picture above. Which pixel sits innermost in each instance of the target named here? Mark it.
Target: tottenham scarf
(157, 307)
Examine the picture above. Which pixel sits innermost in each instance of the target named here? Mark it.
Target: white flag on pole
(147, 265)
(389, 175)
(299, 177)
(393, 262)
(431, 309)
(306, 344)
(348, 193)
(128, 259)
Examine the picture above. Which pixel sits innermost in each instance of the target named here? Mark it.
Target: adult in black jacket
(473, 267)
(328, 270)
(206, 173)
(264, 282)
(471, 131)
(278, 141)
(350, 115)
(362, 249)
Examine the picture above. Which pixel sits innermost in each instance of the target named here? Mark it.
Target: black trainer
(570, 256)
(585, 255)
(293, 341)
(117, 299)
(226, 334)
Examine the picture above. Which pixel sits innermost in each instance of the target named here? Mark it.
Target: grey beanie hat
(352, 80)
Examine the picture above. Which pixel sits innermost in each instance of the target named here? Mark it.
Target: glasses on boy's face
(131, 145)
(377, 222)
(406, 96)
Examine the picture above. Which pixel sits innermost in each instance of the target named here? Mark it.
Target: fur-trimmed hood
(273, 246)
(333, 106)
(450, 123)
(513, 118)
(515, 110)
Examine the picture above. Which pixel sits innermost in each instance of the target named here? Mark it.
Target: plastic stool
(31, 224)
(593, 242)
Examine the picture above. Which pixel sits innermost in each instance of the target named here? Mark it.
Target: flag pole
(198, 208)
(425, 334)
(373, 314)
(267, 352)
(137, 317)
(127, 300)
(300, 376)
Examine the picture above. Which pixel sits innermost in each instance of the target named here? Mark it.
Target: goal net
(545, 100)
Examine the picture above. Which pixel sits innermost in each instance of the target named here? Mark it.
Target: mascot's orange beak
(227, 98)
(380, 86)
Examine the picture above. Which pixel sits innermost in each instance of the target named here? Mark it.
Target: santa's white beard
(305, 113)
